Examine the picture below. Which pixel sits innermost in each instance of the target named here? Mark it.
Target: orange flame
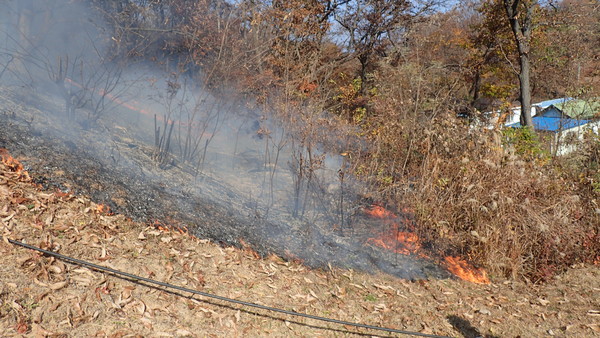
(9, 161)
(103, 209)
(13, 164)
(408, 243)
(168, 227)
(401, 242)
(380, 212)
(465, 271)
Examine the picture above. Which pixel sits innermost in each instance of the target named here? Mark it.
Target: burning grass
(401, 240)
(13, 164)
(518, 215)
(48, 297)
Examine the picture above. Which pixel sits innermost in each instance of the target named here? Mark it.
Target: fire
(103, 209)
(13, 164)
(400, 241)
(380, 212)
(465, 271)
(9, 161)
(168, 227)
(396, 239)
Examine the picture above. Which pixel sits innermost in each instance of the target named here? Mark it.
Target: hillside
(43, 296)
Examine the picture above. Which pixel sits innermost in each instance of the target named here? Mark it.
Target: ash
(111, 163)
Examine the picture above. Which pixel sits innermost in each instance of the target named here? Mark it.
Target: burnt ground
(44, 297)
(107, 162)
(41, 296)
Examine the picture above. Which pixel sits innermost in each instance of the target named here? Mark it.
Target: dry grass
(517, 215)
(42, 296)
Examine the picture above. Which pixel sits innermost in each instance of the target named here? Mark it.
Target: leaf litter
(43, 297)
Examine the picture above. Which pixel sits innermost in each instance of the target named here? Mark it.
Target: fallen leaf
(58, 286)
(182, 332)
(8, 218)
(484, 311)
(54, 269)
(543, 302)
(36, 281)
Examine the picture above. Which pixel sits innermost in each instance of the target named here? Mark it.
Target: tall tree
(520, 15)
(368, 25)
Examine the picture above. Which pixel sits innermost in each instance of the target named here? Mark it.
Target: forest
(412, 94)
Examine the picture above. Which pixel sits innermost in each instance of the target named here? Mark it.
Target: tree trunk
(520, 14)
(525, 94)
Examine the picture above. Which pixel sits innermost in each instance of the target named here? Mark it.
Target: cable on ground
(208, 295)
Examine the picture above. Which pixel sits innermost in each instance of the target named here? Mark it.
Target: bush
(512, 212)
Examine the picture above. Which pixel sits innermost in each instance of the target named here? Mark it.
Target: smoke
(222, 169)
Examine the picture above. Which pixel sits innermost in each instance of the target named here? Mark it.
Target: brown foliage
(518, 217)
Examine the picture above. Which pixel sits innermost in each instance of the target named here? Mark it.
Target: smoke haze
(162, 140)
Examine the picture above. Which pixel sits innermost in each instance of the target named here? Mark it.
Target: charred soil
(42, 296)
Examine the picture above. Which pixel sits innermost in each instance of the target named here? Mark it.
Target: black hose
(225, 299)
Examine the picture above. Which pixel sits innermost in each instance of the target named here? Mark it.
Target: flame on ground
(380, 212)
(103, 209)
(396, 239)
(168, 227)
(402, 242)
(13, 164)
(408, 243)
(465, 271)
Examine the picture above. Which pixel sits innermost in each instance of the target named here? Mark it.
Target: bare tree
(520, 15)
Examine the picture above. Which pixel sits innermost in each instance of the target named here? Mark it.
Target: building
(564, 122)
(574, 109)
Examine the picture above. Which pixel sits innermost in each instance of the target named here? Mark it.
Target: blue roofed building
(545, 104)
(553, 124)
(514, 115)
(563, 122)
(562, 132)
(574, 109)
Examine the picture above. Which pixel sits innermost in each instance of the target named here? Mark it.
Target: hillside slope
(42, 296)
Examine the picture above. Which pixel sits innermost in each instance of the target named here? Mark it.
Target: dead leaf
(54, 269)
(49, 219)
(36, 281)
(543, 302)
(16, 306)
(184, 333)
(58, 286)
(140, 306)
(8, 218)
(127, 291)
(384, 287)
(484, 311)
(60, 227)
(380, 308)
(358, 286)
(21, 326)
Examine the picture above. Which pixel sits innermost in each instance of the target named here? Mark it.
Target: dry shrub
(517, 216)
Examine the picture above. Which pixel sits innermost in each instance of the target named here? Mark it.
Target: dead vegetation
(42, 296)
(510, 209)
(521, 216)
